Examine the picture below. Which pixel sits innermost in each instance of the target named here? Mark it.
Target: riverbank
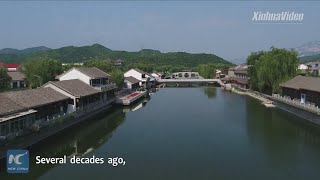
(307, 112)
(263, 98)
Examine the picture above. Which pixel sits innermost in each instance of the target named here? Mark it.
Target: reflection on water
(137, 105)
(288, 141)
(78, 140)
(211, 92)
(187, 133)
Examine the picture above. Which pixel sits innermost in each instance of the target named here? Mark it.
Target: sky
(224, 28)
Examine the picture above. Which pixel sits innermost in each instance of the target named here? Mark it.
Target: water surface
(188, 133)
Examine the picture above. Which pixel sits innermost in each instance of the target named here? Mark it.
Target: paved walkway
(267, 102)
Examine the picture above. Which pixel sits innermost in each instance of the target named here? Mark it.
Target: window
(71, 101)
(95, 82)
(22, 84)
(143, 76)
(104, 81)
(11, 127)
(14, 84)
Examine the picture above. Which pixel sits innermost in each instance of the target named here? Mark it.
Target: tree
(41, 70)
(5, 79)
(117, 77)
(252, 61)
(103, 65)
(205, 71)
(208, 70)
(210, 92)
(268, 69)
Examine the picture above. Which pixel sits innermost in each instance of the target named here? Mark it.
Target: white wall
(135, 74)
(12, 69)
(75, 74)
(156, 76)
(128, 84)
(302, 67)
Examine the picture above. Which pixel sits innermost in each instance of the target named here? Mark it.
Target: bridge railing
(190, 81)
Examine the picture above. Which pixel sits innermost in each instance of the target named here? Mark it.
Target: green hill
(10, 55)
(310, 58)
(72, 54)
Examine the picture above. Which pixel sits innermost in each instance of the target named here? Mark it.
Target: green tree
(210, 92)
(103, 65)
(270, 68)
(205, 71)
(4, 79)
(208, 70)
(41, 70)
(117, 77)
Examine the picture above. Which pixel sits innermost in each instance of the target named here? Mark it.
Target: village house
(14, 118)
(10, 67)
(119, 63)
(17, 79)
(313, 67)
(140, 75)
(157, 76)
(26, 111)
(19, 110)
(240, 78)
(219, 74)
(131, 83)
(305, 89)
(92, 76)
(82, 96)
(231, 70)
(89, 75)
(303, 67)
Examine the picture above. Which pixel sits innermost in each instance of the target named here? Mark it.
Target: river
(186, 133)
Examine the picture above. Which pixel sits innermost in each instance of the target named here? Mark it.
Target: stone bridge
(191, 81)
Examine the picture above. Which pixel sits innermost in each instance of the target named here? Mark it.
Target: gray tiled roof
(75, 87)
(93, 72)
(240, 80)
(132, 79)
(16, 75)
(302, 82)
(119, 61)
(35, 97)
(8, 106)
(241, 71)
(140, 71)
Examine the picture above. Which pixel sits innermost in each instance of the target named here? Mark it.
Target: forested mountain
(71, 54)
(310, 58)
(11, 55)
(309, 49)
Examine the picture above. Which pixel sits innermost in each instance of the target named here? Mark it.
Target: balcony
(104, 87)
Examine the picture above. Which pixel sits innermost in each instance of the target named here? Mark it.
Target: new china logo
(17, 161)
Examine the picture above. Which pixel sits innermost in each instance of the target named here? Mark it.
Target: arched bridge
(191, 81)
